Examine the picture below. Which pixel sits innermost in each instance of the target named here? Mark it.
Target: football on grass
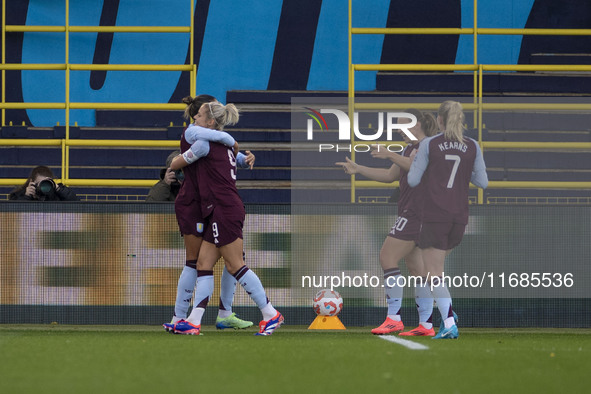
(328, 303)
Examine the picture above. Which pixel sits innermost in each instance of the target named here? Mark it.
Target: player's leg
(442, 325)
(227, 290)
(188, 276)
(393, 250)
(226, 318)
(187, 279)
(191, 226)
(232, 253)
(434, 260)
(208, 255)
(436, 239)
(454, 238)
(423, 296)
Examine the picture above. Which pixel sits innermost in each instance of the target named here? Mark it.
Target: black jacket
(61, 193)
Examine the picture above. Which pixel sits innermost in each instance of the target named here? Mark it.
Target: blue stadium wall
(259, 45)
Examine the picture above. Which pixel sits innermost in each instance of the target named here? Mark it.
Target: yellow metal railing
(478, 106)
(67, 105)
(66, 143)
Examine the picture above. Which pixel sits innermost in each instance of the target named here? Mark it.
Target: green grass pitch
(140, 359)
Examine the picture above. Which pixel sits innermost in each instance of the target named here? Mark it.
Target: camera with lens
(45, 187)
(178, 174)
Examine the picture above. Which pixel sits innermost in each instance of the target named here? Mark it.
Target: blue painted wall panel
(500, 49)
(329, 63)
(238, 46)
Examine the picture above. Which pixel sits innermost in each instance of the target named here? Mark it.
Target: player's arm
(479, 176)
(381, 152)
(419, 164)
(198, 150)
(245, 160)
(385, 175)
(195, 133)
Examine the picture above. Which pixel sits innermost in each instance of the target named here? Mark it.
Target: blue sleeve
(419, 164)
(194, 133)
(200, 149)
(241, 160)
(479, 177)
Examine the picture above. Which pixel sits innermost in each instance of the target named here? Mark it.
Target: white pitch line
(404, 342)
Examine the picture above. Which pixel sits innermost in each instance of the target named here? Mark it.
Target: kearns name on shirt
(452, 145)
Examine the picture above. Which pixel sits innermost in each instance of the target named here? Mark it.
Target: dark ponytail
(194, 103)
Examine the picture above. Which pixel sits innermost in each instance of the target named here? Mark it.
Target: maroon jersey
(446, 169)
(410, 199)
(189, 192)
(217, 174)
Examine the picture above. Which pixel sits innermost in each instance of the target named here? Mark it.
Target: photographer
(40, 186)
(170, 182)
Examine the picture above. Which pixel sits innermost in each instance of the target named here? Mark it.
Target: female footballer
(191, 223)
(223, 210)
(444, 166)
(401, 241)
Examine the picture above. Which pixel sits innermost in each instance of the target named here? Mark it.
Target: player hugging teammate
(222, 217)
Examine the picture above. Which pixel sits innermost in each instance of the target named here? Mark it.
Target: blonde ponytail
(223, 114)
(453, 119)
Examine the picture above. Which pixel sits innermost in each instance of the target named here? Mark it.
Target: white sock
(175, 319)
(203, 292)
(424, 301)
(196, 316)
(268, 312)
(443, 299)
(393, 293)
(184, 292)
(227, 290)
(449, 322)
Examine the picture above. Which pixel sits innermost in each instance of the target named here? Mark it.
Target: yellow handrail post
(193, 72)
(351, 111)
(66, 147)
(3, 61)
(350, 54)
(351, 95)
(475, 35)
(63, 146)
(480, 89)
(192, 29)
(193, 87)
